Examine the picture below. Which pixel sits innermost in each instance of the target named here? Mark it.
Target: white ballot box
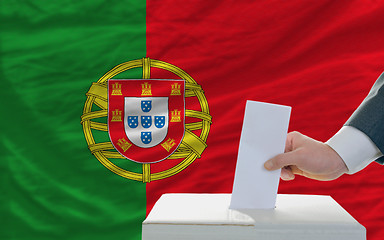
(208, 217)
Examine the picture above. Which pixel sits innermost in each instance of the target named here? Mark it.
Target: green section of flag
(50, 53)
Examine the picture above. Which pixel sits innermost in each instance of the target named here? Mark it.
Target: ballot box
(208, 217)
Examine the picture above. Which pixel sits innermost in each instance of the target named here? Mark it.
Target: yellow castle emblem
(167, 145)
(124, 144)
(175, 89)
(116, 89)
(116, 116)
(146, 89)
(175, 116)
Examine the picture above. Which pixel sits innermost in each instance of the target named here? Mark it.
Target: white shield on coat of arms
(146, 117)
(146, 120)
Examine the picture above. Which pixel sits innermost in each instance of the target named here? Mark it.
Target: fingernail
(268, 165)
(284, 175)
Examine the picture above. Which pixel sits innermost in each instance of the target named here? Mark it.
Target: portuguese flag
(61, 176)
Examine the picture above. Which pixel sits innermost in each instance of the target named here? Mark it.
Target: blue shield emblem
(146, 121)
(133, 121)
(146, 105)
(159, 121)
(146, 137)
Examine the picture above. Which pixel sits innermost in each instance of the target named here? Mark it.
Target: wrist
(340, 167)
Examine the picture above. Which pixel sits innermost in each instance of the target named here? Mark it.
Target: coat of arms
(148, 120)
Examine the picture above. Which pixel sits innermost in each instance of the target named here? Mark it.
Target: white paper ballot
(263, 136)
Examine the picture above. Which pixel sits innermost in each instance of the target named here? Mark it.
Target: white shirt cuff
(354, 147)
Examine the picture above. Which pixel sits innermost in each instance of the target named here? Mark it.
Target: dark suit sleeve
(369, 116)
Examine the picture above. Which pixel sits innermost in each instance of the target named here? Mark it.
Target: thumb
(281, 160)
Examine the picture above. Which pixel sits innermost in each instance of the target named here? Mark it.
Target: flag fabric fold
(320, 57)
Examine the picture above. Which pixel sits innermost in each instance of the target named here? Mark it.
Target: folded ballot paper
(254, 210)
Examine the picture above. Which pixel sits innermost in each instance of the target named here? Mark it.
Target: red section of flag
(319, 57)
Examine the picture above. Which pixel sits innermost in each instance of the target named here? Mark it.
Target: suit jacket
(369, 116)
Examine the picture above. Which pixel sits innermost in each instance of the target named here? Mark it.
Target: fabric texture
(52, 186)
(369, 116)
(319, 57)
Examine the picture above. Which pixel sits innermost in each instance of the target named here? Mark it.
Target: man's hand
(307, 157)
